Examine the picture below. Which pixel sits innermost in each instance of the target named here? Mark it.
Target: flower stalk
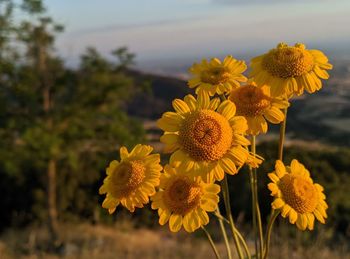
(212, 244)
(274, 215)
(223, 231)
(282, 135)
(226, 195)
(257, 224)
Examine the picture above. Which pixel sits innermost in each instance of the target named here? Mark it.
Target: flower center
(183, 195)
(299, 193)
(127, 177)
(285, 61)
(215, 75)
(250, 100)
(205, 135)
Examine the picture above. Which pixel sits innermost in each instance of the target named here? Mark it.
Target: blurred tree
(62, 120)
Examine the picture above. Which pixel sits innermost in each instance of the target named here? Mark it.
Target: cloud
(130, 26)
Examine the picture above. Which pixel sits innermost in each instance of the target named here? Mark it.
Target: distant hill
(324, 116)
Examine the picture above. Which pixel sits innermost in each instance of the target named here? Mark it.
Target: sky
(165, 31)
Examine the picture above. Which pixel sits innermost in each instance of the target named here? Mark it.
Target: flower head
(205, 135)
(257, 105)
(132, 180)
(291, 69)
(296, 195)
(216, 76)
(184, 200)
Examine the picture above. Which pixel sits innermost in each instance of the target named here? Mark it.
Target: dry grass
(122, 241)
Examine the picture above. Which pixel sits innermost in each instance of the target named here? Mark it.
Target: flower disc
(250, 100)
(285, 61)
(182, 195)
(206, 135)
(299, 193)
(128, 176)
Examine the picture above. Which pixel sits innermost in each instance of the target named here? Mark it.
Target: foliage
(50, 112)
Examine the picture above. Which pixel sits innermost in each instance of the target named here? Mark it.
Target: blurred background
(79, 79)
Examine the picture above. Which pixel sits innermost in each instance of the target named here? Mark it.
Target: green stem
(261, 235)
(224, 233)
(282, 135)
(211, 243)
(245, 246)
(251, 176)
(256, 199)
(246, 249)
(268, 232)
(226, 194)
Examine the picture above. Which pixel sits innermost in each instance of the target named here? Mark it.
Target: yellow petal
(277, 203)
(321, 73)
(319, 216)
(123, 153)
(193, 82)
(170, 122)
(240, 140)
(110, 203)
(285, 210)
(203, 100)
(260, 124)
(274, 115)
(239, 124)
(209, 204)
(103, 189)
(227, 109)
(141, 150)
(214, 103)
(191, 102)
(280, 168)
(273, 177)
(296, 167)
(112, 166)
(175, 222)
(302, 222)
(228, 166)
(293, 216)
(213, 188)
(238, 154)
(164, 217)
(280, 103)
(180, 106)
(177, 157)
(111, 211)
(169, 138)
(310, 221)
(187, 223)
(273, 188)
(203, 216)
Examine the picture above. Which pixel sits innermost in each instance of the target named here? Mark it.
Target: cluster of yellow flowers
(208, 137)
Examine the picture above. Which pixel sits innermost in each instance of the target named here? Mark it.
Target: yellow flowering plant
(211, 135)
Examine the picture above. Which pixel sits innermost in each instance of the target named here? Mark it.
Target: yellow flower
(216, 76)
(184, 200)
(296, 195)
(289, 70)
(132, 180)
(257, 106)
(205, 135)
